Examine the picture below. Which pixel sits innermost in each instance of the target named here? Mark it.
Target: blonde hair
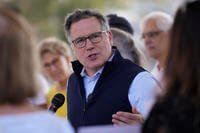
(55, 46)
(17, 60)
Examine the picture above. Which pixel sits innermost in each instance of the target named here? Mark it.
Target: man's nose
(147, 40)
(89, 45)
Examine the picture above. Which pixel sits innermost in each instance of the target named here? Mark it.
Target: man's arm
(142, 94)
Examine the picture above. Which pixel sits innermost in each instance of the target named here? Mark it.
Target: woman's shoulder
(173, 113)
(175, 104)
(41, 121)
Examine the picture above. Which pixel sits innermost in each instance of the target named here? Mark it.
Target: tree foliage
(47, 16)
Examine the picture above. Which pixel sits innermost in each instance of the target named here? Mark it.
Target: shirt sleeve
(142, 92)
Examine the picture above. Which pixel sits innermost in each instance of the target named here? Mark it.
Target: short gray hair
(163, 20)
(125, 44)
(80, 14)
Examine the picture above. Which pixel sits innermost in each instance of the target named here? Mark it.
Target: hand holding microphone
(57, 101)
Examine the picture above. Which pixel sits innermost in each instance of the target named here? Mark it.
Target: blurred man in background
(155, 33)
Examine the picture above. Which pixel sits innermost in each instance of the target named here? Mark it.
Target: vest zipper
(84, 110)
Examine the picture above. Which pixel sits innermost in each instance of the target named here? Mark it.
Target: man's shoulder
(127, 64)
(72, 77)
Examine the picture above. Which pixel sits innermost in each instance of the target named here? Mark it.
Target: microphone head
(57, 101)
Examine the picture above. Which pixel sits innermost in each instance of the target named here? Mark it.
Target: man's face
(154, 39)
(94, 44)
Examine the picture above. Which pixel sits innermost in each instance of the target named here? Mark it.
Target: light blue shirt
(142, 91)
(90, 81)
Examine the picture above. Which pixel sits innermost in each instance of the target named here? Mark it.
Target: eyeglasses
(54, 62)
(95, 37)
(151, 34)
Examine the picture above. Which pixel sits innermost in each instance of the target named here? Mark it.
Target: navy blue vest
(109, 96)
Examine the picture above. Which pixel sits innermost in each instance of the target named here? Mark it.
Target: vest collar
(78, 67)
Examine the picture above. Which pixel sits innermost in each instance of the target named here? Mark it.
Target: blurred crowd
(101, 73)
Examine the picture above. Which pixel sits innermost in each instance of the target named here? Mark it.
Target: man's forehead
(85, 27)
(89, 20)
(150, 25)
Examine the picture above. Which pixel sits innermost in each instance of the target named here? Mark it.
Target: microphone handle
(53, 108)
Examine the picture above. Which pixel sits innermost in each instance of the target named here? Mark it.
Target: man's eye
(151, 34)
(96, 35)
(80, 40)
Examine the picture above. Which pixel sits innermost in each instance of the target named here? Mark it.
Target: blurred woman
(179, 109)
(55, 56)
(18, 80)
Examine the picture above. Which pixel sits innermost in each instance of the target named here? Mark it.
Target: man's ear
(110, 37)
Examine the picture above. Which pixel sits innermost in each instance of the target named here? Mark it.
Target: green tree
(47, 16)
